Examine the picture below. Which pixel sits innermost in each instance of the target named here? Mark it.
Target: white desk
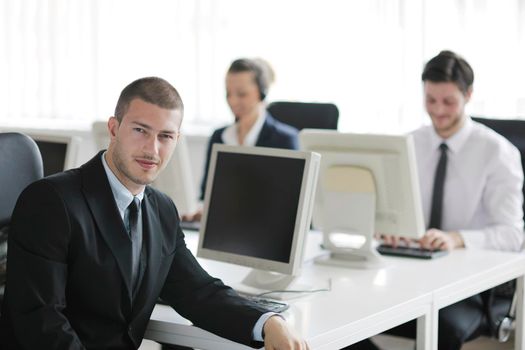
(363, 303)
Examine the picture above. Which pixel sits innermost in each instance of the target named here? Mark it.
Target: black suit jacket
(273, 134)
(69, 268)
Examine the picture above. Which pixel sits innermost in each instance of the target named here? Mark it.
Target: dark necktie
(133, 215)
(134, 235)
(436, 212)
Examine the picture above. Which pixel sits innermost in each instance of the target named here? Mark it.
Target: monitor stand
(351, 188)
(365, 257)
(259, 282)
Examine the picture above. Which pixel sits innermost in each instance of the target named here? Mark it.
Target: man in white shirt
(471, 186)
(482, 197)
(482, 193)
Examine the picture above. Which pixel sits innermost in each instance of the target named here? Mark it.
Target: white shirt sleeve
(502, 200)
(257, 333)
(483, 196)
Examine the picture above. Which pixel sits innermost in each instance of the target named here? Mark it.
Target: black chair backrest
(303, 115)
(514, 131)
(20, 165)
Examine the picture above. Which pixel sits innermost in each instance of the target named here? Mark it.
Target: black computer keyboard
(410, 252)
(190, 225)
(269, 304)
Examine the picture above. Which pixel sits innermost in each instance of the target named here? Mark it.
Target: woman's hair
(449, 67)
(262, 72)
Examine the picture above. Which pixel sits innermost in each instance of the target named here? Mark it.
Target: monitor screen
(59, 152)
(258, 206)
(53, 156)
(254, 205)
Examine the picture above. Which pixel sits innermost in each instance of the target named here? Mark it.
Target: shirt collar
(456, 141)
(123, 197)
(229, 136)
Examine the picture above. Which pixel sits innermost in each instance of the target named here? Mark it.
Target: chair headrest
(20, 165)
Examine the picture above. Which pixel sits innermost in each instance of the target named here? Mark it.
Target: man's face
(445, 103)
(142, 144)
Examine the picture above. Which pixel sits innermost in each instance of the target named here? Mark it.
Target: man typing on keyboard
(434, 239)
(471, 182)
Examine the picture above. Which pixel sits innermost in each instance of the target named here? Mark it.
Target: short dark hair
(153, 90)
(448, 66)
(261, 70)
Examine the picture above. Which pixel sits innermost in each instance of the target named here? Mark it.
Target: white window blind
(68, 60)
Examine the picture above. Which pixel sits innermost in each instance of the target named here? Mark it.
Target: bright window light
(68, 60)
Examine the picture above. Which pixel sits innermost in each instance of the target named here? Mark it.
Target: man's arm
(502, 200)
(37, 271)
(205, 300)
(211, 305)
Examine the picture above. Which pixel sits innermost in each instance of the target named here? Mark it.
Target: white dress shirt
(229, 135)
(123, 198)
(483, 185)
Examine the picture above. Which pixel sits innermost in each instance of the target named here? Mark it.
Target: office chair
(513, 130)
(303, 115)
(20, 165)
(498, 299)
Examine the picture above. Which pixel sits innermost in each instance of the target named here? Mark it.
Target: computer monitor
(367, 184)
(257, 211)
(59, 152)
(100, 134)
(175, 180)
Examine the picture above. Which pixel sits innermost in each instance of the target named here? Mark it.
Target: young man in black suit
(92, 249)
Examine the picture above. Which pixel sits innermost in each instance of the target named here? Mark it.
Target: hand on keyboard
(432, 240)
(446, 240)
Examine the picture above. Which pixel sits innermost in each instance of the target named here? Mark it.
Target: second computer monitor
(59, 152)
(258, 208)
(176, 179)
(368, 184)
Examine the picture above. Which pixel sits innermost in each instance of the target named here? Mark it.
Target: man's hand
(393, 241)
(437, 239)
(279, 336)
(192, 216)
(433, 239)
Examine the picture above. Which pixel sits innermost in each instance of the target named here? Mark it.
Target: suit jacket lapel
(153, 238)
(266, 131)
(97, 192)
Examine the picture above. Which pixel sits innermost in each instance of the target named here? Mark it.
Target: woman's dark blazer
(273, 134)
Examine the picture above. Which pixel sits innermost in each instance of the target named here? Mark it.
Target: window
(68, 60)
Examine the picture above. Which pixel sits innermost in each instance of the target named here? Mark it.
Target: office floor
(395, 343)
